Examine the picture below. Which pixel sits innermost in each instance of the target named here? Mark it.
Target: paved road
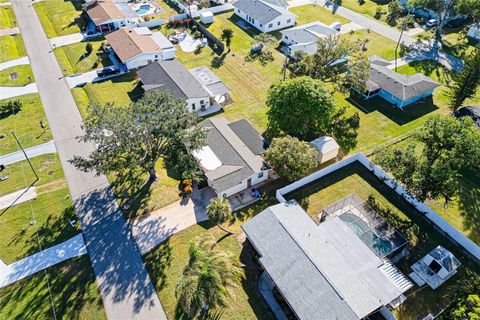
(124, 283)
(38, 150)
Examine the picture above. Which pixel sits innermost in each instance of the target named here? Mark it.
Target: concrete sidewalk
(13, 63)
(38, 150)
(66, 40)
(39, 261)
(12, 92)
(17, 197)
(9, 31)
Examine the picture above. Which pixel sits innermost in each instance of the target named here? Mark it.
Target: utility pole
(26, 157)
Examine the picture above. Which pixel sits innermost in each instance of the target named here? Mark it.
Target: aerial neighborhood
(240, 159)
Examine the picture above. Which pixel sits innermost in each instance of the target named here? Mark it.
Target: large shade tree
(138, 135)
(207, 278)
(430, 168)
(466, 81)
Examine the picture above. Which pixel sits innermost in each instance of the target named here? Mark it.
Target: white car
(431, 23)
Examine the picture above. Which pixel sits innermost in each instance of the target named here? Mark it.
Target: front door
(249, 183)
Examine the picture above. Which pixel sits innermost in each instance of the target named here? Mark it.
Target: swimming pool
(144, 8)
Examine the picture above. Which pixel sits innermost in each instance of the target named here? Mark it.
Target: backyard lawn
(25, 124)
(410, 223)
(16, 76)
(7, 17)
(28, 227)
(71, 285)
(168, 11)
(59, 17)
(310, 13)
(74, 59)
(11, 47)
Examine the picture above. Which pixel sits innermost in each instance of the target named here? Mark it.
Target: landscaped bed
(71, 285)
(422, 236)
(7, 17)
(11, 47)
(75, 59)
(16, 76)
(60, 17)
(25, 124)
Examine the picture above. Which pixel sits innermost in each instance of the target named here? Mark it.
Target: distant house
(110, 15)
(400, 90)
(326, 147)
(304, 38)
(173, 77)
(327, 270)
(470, 111)
(137, 47)
(232, 157)
(265, 15)
(474, 31)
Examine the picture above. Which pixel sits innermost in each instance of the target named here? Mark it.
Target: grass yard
(28, 227)
(168, 10)
(74, 59)
(455, 41)
(410, 223)
(11, 47)
(368, 8)
(23, 73)
(374, 43)
(71, 285)
(60, 17)
(310, 13)
(7, 17)
(25, 124)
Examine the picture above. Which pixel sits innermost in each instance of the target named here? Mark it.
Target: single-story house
(265, 15)
(325, 270)
(474, 31)
(326, 147)
(232, 157)
(212, 83)
(137, 47)
(470, 111)
(435, 268)
(110, 15)
(173, 77)
(304, 38)
(398, 89)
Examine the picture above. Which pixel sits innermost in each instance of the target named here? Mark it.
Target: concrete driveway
(11, 92)
(152, 229)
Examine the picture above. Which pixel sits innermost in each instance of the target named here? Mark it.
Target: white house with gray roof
(323, 271)
(265, 15)
(232, 157)
(304, 38)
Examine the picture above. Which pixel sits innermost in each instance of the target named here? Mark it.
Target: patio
(251, 195)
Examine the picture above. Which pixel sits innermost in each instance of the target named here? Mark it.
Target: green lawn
(368, 8)
(60, 17)
(51, 211)
(74, 59)
(25, 124)
(168, 11)
(24, 76)
(410, 223)
(455, 41)
(310, 13)
(7, 17)
(71, 285)
(11, 47)
(375, 43)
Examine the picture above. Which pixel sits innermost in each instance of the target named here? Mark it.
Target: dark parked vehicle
(456, 22)
(107, 71)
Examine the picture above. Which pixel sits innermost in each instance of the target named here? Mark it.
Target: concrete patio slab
(13, 63)
(12, 92)
(44, 148)
(17, 197)
(189, 44)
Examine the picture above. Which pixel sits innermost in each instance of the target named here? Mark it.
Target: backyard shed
(206, 17)
(326, 147)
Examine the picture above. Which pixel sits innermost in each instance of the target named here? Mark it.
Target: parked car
(107, 71)
(431, 23)
(257, 47)
(456, 22)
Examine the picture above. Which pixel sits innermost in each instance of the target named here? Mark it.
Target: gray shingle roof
(309, 32)
(261, 10)
(236, 145)
(171, 76)
(401, 86)
(323, 271)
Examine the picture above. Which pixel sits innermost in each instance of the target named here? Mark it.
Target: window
(193, 106)
(260, 175)
(253, 21)
(286, 37)
(202, 102)
(270, 25)
(289, 20)
(261, 25)
(278, 23)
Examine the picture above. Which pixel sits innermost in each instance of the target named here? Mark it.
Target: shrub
(88, 48)
(198, 49)
(378, 12)
(10, 107)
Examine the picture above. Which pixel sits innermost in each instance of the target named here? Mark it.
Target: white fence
(151, 23)
(430, 214)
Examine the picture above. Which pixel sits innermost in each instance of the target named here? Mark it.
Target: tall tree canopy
(466, 304)
(303, 108)
(359, 71)
(138, 135)
(291, 158)
(466, 81)
(206, 278)
(430, 169)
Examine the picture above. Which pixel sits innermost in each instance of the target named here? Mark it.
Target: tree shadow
(218, 61)
(469, 203)
(397, 115)
(157, 263)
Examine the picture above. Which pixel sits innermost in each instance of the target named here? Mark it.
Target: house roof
(210, 81)
(261, 10)
(171, 76)
(470, 111)
(101, 11)
(129, 43)
(401, 86)
(323, 271)
(237, 148)
(309, 32)
(325, 144)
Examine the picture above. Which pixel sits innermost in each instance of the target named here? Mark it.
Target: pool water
(144, 8)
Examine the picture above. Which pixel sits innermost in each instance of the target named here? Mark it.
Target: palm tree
(206, 278)
(227, 35)
(219, 211)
